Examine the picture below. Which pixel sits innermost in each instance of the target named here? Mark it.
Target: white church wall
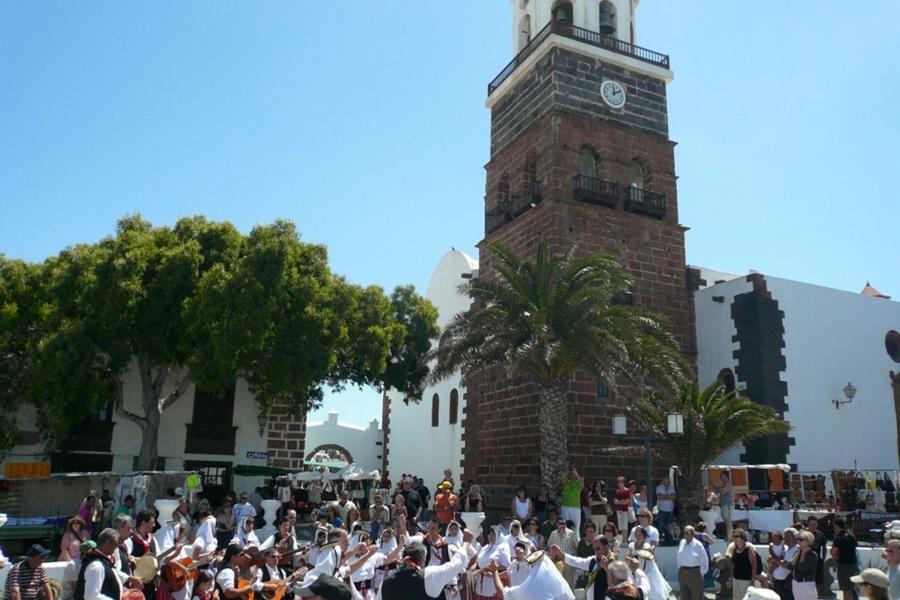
(831, 337)
(414, 445)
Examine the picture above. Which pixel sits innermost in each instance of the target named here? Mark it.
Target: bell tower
(580, 150)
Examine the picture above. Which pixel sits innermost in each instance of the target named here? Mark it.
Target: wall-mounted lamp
(849, 392)
(262, 418)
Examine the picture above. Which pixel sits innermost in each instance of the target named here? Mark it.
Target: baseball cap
(36, 550)
(873, 577)
(446, 485)
(326, 586)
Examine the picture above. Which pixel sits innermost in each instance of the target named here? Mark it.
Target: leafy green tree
(199, 302)
(20, 305)
(548, 318)
(715, 421)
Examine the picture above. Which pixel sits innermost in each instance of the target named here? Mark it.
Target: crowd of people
(412, 543)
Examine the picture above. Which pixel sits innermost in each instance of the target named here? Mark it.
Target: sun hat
(873, 577)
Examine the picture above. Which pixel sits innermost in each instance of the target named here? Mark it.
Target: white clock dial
(613, 94)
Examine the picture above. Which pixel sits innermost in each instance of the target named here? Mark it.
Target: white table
(760, 520)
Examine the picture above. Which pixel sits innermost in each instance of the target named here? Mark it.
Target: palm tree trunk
(690, 496)
(553, 421)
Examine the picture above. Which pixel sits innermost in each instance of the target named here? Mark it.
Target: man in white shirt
(693, 563)
(665, 505)
(99, 580)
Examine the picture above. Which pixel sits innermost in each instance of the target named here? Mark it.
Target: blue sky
(365, 124)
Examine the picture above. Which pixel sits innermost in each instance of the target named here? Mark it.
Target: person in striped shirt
(27, 580)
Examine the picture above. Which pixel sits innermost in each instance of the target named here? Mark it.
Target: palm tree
(715, 421)
(549, 318)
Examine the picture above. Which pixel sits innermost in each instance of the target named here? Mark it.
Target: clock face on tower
(613, 93)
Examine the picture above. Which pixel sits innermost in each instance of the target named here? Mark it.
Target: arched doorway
(330, 453)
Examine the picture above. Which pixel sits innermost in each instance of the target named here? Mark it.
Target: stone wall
(286, 437)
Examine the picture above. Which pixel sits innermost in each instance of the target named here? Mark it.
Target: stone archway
(335, 451)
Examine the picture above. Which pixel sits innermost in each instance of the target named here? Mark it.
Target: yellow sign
(26, 470)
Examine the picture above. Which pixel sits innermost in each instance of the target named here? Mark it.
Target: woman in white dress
(386, 544)
(640, 549)
(493, 550)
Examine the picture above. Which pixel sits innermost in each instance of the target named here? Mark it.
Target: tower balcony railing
(596, 191)
(594, 38)
(525, 198)
(645, 202)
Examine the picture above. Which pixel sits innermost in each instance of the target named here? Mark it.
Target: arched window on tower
(608, 23)
(587, 162)
(563, 13)
(454, 406)
(524, 31)
(635, 175)
(435, 410)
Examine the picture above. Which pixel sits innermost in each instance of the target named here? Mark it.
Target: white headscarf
(498, 551)
(456, 540)
(206, 535)
(244, 539)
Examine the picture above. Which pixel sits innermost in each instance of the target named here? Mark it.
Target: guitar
(275, 590)
(176, 573)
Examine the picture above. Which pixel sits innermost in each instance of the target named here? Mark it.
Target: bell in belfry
(562, 15)
(606, 21)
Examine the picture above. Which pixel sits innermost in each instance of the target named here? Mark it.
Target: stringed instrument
(176, 573)
(275, 590)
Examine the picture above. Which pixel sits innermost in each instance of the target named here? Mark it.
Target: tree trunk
(154, 403)
(690, 498)
(553, 422)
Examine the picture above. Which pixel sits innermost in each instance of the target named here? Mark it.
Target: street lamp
(262, 418)
(674, 426)
(850, 392)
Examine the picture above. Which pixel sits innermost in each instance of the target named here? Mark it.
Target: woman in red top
(623, 506)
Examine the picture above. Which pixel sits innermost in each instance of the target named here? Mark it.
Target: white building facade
(210, 433)
(795, 347)
(424, 438)
(361, 446)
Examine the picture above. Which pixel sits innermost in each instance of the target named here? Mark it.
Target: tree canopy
(198, 302)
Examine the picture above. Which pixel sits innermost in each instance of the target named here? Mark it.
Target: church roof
(872, 292)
